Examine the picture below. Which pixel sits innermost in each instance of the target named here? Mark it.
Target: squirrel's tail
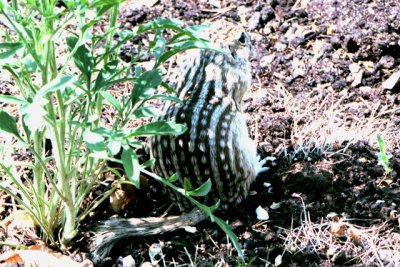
(108, 233)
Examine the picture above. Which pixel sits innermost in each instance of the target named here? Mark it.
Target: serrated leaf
(202, 190)
(159, 128)
(131, 165)
(8, 124)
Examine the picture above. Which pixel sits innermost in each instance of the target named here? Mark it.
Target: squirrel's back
(216, 145)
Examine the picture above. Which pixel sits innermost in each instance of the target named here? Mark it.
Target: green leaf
(381, 144)
(383, 157)
(145, 112)
(172, 24)
(159, 128)
(102, 3)
(35, 113)
(111, 99)
(125, 35)
(83, 58)
(94, 141)
(191, 44)
(103, 131)
(187, 185)
(169, 88)
(131, 165)
(30, 64)
(191, 32)
(56, 84)
(10, 99)
(172, 178)
(8, 124)
(165, 97)
(10, 50)
(228, 231)
(159, 46)
(148, 163)
(148, 80)
(215, 206)
(114, 145)
(106, 77)
(202, 190)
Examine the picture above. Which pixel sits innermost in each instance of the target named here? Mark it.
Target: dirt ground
(321, 93)
(317, 103)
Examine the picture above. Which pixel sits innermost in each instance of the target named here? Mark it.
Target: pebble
(254, 21)
(387, 62)
(339, 85)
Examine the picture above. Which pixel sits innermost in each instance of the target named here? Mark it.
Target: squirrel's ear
(242, 38)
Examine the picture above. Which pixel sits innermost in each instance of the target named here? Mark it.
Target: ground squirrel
(216, 145)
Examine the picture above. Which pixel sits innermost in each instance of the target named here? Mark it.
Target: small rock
(280, 46)
(262, 214)
(138, 4)
(267, 60)
(298, 68)
(215, 3)
(354, 68)
(366, 91)
(339, 85)
(267, 14)
(392, 81)
(254, 21)
(146, 264)
(387, 62)
(128, 261)
(357, 78)
(273, 3)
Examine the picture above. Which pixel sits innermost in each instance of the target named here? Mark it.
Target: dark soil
(305, 54)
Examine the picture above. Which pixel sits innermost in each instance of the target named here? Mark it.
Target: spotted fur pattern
(216, 145)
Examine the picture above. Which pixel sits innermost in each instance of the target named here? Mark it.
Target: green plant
(190, 193)
(61, 99)
(383, 157)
